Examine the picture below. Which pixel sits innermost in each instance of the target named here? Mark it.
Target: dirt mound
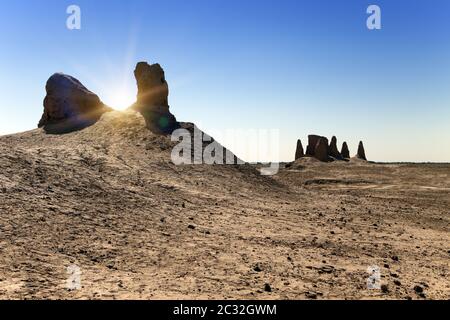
(304, 162)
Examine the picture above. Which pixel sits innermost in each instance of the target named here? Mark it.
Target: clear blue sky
(302, 67)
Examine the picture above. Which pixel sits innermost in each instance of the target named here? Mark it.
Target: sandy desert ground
(109, 200)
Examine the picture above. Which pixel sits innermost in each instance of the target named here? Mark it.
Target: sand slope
(109, 200)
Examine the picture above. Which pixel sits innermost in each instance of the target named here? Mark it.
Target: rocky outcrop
(152, 98)
(316, 149)
(69, 106)
(361, 152)
(321, 150)
(333, 150)
(299, 153)
(345, 152)
(312, 142)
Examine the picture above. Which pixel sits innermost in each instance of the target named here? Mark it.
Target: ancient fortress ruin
(319, 148)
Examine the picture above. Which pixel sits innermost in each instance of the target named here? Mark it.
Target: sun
(120, 99)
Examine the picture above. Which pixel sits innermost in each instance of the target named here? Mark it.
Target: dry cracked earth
(109, 200)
